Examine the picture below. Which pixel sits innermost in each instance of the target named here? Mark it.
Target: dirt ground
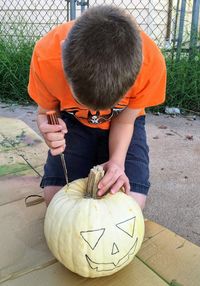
(174, 197)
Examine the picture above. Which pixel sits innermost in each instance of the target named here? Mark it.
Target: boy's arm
(121, 132)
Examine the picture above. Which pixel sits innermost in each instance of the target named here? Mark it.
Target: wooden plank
(22, 240)
(172, 257)
(152, 229)
(136, 273)
(16, 186)
(25, 251)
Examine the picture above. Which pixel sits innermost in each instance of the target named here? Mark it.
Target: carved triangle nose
(114, 249)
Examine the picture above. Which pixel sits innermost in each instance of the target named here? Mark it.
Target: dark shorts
(88, 147)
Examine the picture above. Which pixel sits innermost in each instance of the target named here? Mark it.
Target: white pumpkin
(93, 237)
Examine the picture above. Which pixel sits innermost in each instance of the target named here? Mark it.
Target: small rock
(172, 110)
(155, 137)
(186, 177)
(162, 127)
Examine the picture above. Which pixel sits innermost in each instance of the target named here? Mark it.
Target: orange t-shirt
(48, 86)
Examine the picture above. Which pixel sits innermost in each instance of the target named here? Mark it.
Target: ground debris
(162, 127)
(189, 137)
(156, 113)
(175, 132)
(175, 283)
(191, 117)
(170, 134)
(172, 110)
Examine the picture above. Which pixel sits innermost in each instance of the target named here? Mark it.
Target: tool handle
(53, 120)
(52, 117)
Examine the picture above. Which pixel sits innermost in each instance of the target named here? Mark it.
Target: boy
(98, 72)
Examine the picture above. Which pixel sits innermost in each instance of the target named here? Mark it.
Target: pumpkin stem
(95, 175)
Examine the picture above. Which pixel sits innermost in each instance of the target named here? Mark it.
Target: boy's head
(102, 56)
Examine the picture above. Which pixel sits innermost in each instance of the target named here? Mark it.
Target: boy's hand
(54, 136)
(113, 179)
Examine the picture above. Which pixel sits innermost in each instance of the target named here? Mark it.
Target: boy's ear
(62, 42)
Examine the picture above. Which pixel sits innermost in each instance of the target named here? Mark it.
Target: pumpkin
(93, 237)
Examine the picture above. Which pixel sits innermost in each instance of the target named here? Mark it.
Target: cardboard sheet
(173, 257)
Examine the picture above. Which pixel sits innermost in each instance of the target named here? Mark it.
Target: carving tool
(53, 120)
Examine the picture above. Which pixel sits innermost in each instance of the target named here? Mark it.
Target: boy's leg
(79, 157)
(49, 193)
(137, 162)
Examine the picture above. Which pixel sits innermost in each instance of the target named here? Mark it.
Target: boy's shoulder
(150, 49)
(49, 46)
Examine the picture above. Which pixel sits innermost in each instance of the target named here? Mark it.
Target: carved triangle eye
(127, 226)
(92, 237)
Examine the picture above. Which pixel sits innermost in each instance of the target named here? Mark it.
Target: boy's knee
(140, 199)
(49, 193)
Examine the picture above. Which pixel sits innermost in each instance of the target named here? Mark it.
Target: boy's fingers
(122, 181)
(47, 128)
(127, 187)
(109, 178)
(116, 187)
(62, 123)
(57, 151)
(106, 187)
(55, 136)
(56, 144)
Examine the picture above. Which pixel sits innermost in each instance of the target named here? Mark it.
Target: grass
(183, 83)
(15, 60)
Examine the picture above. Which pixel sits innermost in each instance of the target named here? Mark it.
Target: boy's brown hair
(102, 56)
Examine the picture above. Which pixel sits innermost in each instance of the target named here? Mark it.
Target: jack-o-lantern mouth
(108, 266)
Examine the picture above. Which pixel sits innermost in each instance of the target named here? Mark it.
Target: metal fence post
(72, 9)
(194, 26)
(83, 4)
(175, 30)
(181, 27)
(169, 23)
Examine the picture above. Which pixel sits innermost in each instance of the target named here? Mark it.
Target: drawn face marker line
(127, 226)
(92, 237)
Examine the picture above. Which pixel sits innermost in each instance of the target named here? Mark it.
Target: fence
(173, 24)
(170, 23)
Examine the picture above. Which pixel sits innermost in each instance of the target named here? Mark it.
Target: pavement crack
(15, 275)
